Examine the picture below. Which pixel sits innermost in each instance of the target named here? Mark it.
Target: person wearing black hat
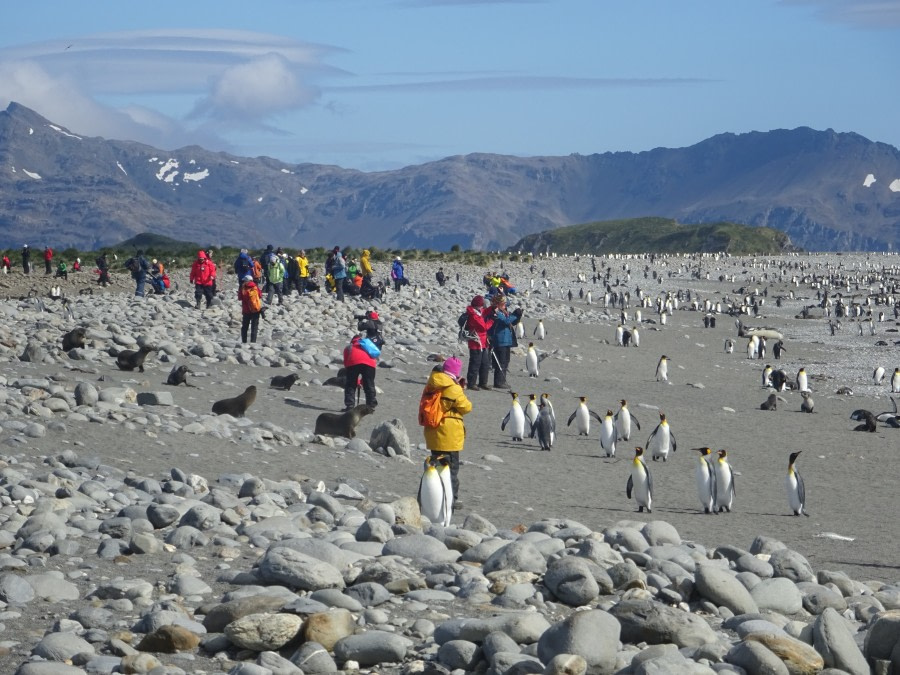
(26, 259)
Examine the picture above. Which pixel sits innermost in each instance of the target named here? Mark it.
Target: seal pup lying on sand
(74, 338)
(237, 406)
(129, 360)
(342, 424)
(284, 382)
(179, 376)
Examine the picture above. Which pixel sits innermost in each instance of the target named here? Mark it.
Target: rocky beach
(140, 533)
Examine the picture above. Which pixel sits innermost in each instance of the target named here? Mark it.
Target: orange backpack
(253, 299)
(431, 412)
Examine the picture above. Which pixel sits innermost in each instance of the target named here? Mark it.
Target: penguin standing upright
(539, 331)
(662, 369)
(724, 483)
(531, 361)
(796, 490)
(802, 380)
(706, 481)
(582, 417)
(520, 329)
(767, 376)
(895, 381)
(531, 411)
(623, 419)
(778, 349)
(544, 427)
(515, 418)
(620, 335)
(640, 482)
(545, 400)
(608, 435)
(435, 495)
(662, 440)
(729, 346)
(635, 337)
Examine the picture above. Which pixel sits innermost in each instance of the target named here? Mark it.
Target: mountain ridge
(66, 189)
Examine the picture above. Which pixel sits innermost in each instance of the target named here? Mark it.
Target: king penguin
(635, 337)
(545, 401)
(515, 418)
(608, 435)
(531, 361)
(531, 410)
(895, 381)
(662, 440)
(640, 482)
(520, 330)
(767, 376)
(620, 335)
(706, 481)
(582, 418)
(623, 420)
(662, 369)
(435, 494)
(545, 428)
(802, 380)
(796, 491)
(539, 331)
(724, 483)
(878, 375)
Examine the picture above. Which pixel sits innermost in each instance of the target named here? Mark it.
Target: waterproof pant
(501, 365)
(250, 321)
(479, 367)
(201, 292)
(353, 375)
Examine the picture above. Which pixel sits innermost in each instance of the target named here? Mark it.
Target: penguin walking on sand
(544, 428)
(878, 376)
(515, 418)
(582, 418)
(706, 481)
(807, 404)
(895, 381)
(531, 361)
(802, 380)
(796, 490)
(724, 483)
(662, 369)
(531, 410)
(640, 482)
(661, 440)
(624, 419)
(435, 495)
(539, 331)
(608, 435)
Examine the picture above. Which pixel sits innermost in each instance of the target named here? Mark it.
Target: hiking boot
(486, 387)
(473, 387)
(502, 385)
(197, 305)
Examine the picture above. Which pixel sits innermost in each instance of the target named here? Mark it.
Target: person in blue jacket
(398, 274)
(502, 337)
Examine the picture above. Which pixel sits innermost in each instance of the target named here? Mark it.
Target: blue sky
(381, 84)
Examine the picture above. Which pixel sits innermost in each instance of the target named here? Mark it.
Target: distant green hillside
(656, 235)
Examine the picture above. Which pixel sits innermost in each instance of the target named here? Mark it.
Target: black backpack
(465, 334)
(132, 265)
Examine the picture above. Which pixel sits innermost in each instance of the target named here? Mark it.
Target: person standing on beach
(203, 276)
(398, 274)
(138, 268)
(48, 260)
(360, 360)
(338, 272)
(478, 323)
(503, 337)
(26, 259)
(251, 307)
(449, 436)
(365, 265)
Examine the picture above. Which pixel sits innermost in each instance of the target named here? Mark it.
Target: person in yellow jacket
(365, 265)
(302, 271)
(449, 437)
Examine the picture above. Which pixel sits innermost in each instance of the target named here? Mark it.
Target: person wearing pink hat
(478, 323)
(449, 436)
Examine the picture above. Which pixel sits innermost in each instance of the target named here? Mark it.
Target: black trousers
(453, 457)
(353, 374)
(479, 367)
(501, 365)
(203, 292)
(250, 321)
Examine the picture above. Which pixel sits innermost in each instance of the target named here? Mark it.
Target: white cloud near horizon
(232, 79)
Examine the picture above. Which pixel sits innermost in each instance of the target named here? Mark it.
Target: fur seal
(338, 380)
(770, 403)
(178, 376)
(342, 424)
(284, 382)
(129, 360)
(237, 406)
(74, 338)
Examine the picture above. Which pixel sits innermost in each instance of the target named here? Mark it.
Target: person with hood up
(365, 265)
(243, 265)
(251, 307)
(398, 274)
(48, 260)
(338, 272)
(449, 436)
(203, 276)
(302, 272)
(478, 323)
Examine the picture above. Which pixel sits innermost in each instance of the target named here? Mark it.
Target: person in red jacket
(48, 260)
(251, 307)
(360, 360)
(479, 323)
(203, 276)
